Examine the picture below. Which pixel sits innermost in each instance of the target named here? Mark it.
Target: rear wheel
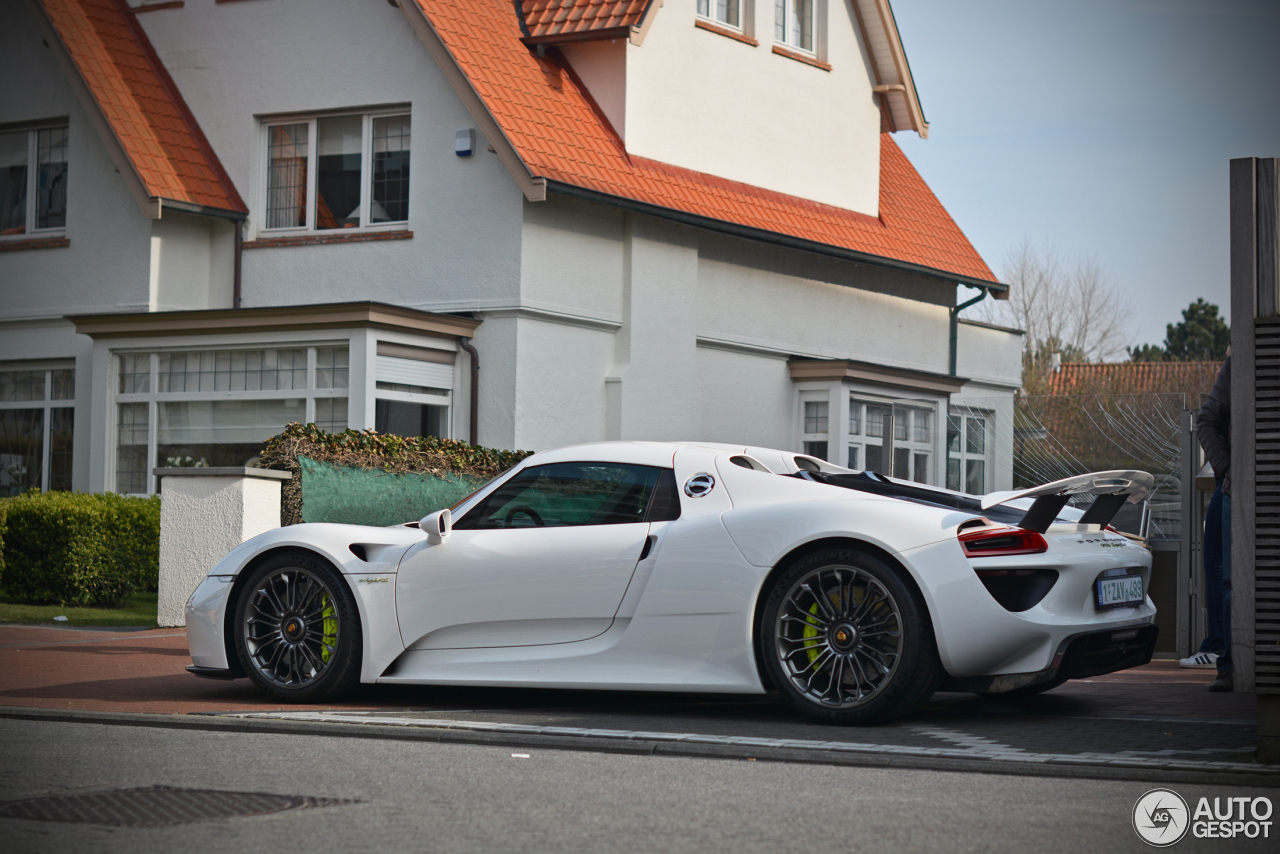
(846, 640)
(297, 629)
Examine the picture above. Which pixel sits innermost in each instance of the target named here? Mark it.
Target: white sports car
(694, 567)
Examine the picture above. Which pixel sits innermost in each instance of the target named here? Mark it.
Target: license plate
(1119, 591)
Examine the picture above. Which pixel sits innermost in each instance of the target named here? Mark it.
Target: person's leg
(1213, 640)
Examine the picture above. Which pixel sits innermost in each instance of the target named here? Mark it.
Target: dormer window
(720, 11)
(793, 23)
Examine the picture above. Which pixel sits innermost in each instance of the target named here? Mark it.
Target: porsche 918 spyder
(692, 567)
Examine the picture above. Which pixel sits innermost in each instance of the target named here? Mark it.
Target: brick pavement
(143, 671)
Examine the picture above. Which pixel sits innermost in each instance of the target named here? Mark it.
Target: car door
(544, 559)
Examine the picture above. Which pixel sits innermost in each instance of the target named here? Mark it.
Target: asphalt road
(414, 796)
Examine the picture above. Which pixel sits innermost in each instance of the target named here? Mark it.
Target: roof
(143, 115)
(560, 136)
(1189, 378)
(557, 21)
(894, 83)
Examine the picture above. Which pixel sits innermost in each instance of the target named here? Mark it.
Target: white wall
(106, 266)
(992, 356)
(746, 398)
(192, 262)
(236, 62)
(703, 101)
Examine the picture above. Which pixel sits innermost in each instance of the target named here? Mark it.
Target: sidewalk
(1147, 723)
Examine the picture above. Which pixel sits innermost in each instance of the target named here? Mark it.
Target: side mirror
(437, 526)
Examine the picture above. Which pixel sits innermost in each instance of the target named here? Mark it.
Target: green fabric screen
(356, 496)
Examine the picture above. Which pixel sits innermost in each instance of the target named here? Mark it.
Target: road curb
(211, 722)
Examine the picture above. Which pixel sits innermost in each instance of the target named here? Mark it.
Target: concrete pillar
(205, 513)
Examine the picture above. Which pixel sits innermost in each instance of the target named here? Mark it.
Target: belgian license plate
(1119, 591)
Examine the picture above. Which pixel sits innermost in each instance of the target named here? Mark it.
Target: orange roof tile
(1189, 378)
(579, 20)
(559, 133)
(151, 121)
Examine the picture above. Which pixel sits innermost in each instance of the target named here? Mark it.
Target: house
(524, 225)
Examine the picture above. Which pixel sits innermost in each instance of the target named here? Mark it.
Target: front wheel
(297, 629)
(846, 640)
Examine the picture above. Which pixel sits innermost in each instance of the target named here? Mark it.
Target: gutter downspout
(235, 278)
(475, 389)
(955, 324)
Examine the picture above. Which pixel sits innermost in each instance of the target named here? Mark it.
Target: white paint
(602, 68)
(201, 520)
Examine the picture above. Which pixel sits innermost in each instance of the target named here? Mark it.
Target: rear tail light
(997, 542)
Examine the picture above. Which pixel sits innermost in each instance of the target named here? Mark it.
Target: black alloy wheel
(297, 629)
(848, 641)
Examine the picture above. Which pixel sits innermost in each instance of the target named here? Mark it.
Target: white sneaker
(1200, 661)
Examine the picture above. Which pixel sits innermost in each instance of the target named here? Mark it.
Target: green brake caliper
(330, 638)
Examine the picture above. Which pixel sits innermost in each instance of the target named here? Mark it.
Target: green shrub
(79, 549)
(370, 450)
(4, 503)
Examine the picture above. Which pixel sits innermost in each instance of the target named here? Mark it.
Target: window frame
(862, 439)
(815, 12)
(33, 144)
(153, 397)
(47, 403)
(367, 117)
(745, 12)
(963, 455)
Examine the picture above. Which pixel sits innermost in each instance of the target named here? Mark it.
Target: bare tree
(1074, 308)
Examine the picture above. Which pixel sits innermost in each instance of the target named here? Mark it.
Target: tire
(861, 653)
(297, 629)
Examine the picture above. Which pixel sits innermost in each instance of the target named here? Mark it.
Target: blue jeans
(1217, 577)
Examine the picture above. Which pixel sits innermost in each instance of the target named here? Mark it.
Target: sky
(1097, 127)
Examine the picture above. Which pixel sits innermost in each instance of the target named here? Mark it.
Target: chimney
(1055, 362)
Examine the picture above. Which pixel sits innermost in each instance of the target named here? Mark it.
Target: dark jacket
(1214, 426)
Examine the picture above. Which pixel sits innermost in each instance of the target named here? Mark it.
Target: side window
(568, 494)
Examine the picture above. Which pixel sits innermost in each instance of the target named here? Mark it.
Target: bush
(368, 449)
(79, 549)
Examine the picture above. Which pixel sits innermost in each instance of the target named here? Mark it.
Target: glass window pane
(855, 417)
(135, 373)
(802, 24)
(975, 477)
(727, 11)
(221, 432)
(975, 436)
(815, 416)
(21, 450)
(875, 459)
(233, 370)
(953, 474)
(61, 436)
(854, 456)
(780, 20)
(920, 469)
(21, 385)
(816, 449)
(332, 370)
(331, 414)
(902, 463)
(704, 8)
(338, 145)
(568, 494)
(901, 421)
(131, 448)
(923, 424)
(875, 421)
(287, 175)
(390, 195)
(400, 418)
(51, 178)
(64, 384)
(13, 183)
(953, 436)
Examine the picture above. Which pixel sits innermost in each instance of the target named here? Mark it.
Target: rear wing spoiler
(1113, 489)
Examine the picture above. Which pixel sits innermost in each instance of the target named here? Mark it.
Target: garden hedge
(79, 549)
(380, 454)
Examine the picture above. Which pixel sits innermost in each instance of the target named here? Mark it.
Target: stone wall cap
(222, 471)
